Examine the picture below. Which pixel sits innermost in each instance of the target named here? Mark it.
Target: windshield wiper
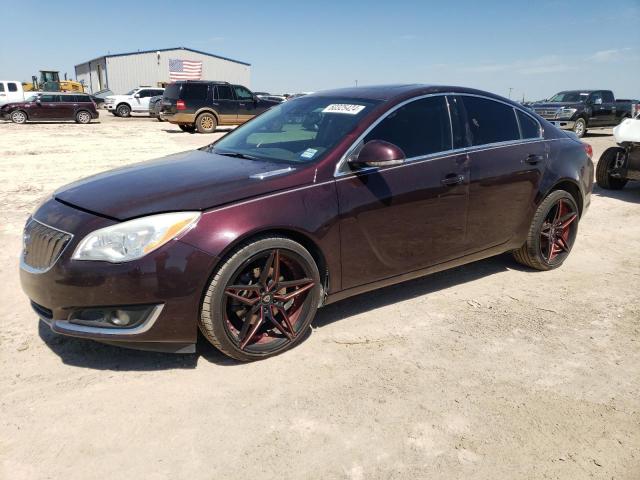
(236, 155)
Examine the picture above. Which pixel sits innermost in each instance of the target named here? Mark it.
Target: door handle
(533, 159)
(452, 179)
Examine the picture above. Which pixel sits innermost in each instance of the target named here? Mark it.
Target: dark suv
(52, 106)
(203, 105)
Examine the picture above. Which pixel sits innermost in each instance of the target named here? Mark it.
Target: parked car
(100, 95)
(627, 107)
(270, 96)
(155, 107)
(136, 101)
(52, 106)
(203, 105)
(245, 238)
(11, 91)
(580, 110)
(618, 165)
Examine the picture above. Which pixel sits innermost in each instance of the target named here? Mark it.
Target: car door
(403, 218)
(67, 106)
(47, 108)
(507, 158)
(247, 105)
(226, 105)
(598, 112)
(141, 100)
(608, 110)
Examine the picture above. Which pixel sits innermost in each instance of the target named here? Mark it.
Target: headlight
(566, 112)
(134, 239)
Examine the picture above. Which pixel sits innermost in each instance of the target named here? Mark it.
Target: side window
(144, 93)
(83, 98)
(50, 98)
(223, 92)
(607, 97)
(195, 92)
(596, 98)
(242, 93)
(490, 121)
(419, 128)
(1, 87)
(528, 126)
(13, 87)
(155, 93)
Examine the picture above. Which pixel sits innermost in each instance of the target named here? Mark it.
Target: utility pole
(510, 89)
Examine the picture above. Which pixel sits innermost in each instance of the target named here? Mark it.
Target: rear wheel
(611, 159)
(18, 116)
(580, 127)
(123, 110)
(552, 232)
(83, 117)
(262, 299)
(187, 128)
(206, 123)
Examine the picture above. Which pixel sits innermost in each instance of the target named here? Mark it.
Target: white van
(11, 91)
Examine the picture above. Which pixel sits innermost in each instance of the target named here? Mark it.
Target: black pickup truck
(580, 110)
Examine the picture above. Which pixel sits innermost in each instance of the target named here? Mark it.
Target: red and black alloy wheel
(262, 300)
(552, 232)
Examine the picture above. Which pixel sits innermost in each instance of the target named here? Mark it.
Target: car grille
(546, 113)
(42, 245)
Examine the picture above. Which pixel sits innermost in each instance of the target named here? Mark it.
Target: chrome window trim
(339, 172)
(29, 268)
(64, 326)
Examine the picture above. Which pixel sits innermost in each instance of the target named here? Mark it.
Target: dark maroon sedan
(316, 200)
(79, 107)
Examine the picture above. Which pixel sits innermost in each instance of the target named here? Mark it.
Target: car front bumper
(167, 285)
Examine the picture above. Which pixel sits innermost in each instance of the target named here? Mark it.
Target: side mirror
(378, 153)
(137, 95)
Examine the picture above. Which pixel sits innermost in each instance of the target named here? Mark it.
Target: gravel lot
(485, 371)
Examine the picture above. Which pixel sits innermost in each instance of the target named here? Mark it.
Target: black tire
(580, 127)
(19, 116)
(83, 117)
(187, 128)
(605, 165)
(218, 319)
(532, 253)
(123, 110)
(206, 123)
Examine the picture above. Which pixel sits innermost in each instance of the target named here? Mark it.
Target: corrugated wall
(92, 74)
(129, 71)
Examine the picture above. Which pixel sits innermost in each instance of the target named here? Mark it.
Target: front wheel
(18, 116)
(552, 233)
(123, 110)
(262, 299)
(580, 127)
(611, 160)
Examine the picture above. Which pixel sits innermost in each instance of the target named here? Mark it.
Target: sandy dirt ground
(487, 371)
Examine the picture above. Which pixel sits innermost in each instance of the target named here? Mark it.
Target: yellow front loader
(50, 82)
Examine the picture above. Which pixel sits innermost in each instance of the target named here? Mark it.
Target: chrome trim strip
(29, 268)
(338, 172)
(64, 326)
(272, 173)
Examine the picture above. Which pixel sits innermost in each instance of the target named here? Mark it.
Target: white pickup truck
(11, 91)
(136, 101)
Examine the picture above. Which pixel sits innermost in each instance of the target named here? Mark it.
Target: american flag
(184, 69)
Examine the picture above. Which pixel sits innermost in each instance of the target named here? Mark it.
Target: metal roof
(165, 50)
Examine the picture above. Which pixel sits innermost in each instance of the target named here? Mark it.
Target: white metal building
(124, 71)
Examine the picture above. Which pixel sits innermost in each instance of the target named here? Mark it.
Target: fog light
(105, 317)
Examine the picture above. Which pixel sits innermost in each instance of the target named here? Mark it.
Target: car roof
(396, 92)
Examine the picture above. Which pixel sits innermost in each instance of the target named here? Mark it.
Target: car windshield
(131, 92)
(569, 97)
(298, 131)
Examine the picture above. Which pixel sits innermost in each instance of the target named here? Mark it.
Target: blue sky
(535, 48)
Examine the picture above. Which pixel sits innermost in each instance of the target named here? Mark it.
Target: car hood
(194, 180)
(556, 105)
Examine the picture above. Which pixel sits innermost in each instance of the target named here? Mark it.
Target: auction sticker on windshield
(343, 108)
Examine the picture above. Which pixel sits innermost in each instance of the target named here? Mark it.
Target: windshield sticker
(309, 153)
(344, 108)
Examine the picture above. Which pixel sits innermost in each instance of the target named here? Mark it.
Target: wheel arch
(207, 110)
(570, 186)
(20, 110)
(123, 103)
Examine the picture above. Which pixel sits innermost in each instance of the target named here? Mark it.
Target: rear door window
(529, 128)
(419, 128)
(13, 87)
(224, 92)
(607, 97)
(50, 98)
(489, 121)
